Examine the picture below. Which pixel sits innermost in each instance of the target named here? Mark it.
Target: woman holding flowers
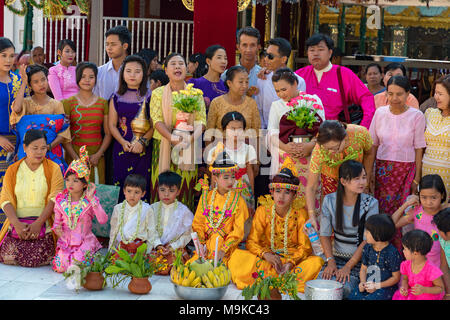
(295, 114)
(277, 243)
(176, 106)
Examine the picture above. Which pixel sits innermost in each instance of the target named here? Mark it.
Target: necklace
(73, 212)
(224, 212)
(272, 232)
(121, 222)
(86, 104)
(159, 229)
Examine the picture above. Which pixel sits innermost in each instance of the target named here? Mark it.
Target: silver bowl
(323, 290)
(190, 293)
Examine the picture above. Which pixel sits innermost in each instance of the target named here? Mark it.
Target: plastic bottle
(409, 210)
(314, 238)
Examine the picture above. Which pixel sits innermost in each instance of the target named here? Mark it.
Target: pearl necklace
(73, 212)
(121, 222)
(272, 232)
(158, 218)
(210, 214)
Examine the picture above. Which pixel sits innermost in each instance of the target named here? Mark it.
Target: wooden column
(218, 18)
(96, 36)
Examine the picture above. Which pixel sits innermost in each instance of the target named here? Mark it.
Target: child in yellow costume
(222, 211)
(277, 243)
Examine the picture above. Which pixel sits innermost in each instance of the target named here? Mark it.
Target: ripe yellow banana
(211, 276)
(217, 271)
(196, 282)
(206, 281)
(222, 280)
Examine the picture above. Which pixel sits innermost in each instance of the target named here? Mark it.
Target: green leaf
(135, 270)
(114, 270)
(124, 255)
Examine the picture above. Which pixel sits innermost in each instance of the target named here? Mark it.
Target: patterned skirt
(27, 253)
(393, 182)
(188, 180)
(5, 160)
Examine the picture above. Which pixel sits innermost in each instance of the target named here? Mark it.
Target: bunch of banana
(219, 277)
(183, 276)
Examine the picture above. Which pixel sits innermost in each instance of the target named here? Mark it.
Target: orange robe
(230, 231)
(243, 263)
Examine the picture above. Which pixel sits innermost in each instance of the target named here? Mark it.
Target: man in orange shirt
(394, 69)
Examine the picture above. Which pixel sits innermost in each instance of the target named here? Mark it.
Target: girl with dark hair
(379, 256)
(431, 200)
(62, 77)
(10, 84)
(221, 211)
(130, 123)
(421, 279)
(281, 130)
(235, 100)
(164, 117)
(88, 114)
(374, 75)
(345, 212)
(28, 196)
(277, 242)
(197, 65)
(41, 112)
(437, 134)
(336, 142)
(243, 154)
(398, 138)
(211, 84)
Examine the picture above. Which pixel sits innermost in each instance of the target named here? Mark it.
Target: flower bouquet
(303, 119)
(187, 102)
(271, 287)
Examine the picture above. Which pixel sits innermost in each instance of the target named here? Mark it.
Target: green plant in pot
(271, 287)
(87, 273)
(139, 267)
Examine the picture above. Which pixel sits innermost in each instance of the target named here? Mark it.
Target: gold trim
(242, 4)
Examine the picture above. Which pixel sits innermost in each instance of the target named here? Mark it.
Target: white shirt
(267, 95)
(319, 73)
(107, 80)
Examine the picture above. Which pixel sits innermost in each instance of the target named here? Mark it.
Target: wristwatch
(328, 259)
(144, 141)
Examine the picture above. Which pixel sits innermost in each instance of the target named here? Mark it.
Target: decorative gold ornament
(140, 124)
(242, 4)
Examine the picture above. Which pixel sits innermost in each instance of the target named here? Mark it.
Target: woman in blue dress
(9, 86)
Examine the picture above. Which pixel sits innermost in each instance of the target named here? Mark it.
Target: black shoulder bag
(352, 114)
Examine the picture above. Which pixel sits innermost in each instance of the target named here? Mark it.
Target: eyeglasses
(271, 56)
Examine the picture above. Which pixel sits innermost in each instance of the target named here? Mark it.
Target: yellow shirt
(259, 240)
(30, 186)
(231, 229)
(156, 112)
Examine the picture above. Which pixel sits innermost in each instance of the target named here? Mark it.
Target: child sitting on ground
(380, 266)
(171, 221)
(130, 220)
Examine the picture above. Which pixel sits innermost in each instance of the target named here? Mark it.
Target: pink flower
(255, 275)
(317, 106)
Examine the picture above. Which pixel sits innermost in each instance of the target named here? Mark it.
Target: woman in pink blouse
(398, 138)
(62, 77)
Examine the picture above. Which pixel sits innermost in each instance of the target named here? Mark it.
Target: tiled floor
(44, 284)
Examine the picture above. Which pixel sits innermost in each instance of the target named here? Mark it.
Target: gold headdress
(287, 170)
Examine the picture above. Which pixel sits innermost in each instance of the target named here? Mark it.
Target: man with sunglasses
(321, 78)
(277, 55)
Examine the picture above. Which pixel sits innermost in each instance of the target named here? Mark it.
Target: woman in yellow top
(163, 115)
(27, 198)
(436, 159)
(336, 142)
(221, 212)
(277, 243)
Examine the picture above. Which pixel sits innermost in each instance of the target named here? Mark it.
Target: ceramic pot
(274, 295)
(94, 281)
(139, 285)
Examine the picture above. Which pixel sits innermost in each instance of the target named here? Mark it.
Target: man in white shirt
(278, 53)
(118, 41)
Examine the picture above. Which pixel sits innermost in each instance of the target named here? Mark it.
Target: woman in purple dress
(211, 84)
(131, 149)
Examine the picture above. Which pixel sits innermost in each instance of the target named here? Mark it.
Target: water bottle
(314, 238)
(409, 210)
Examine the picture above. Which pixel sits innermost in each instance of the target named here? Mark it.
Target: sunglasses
(271, 56)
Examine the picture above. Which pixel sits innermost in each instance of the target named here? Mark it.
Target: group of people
(371, 175)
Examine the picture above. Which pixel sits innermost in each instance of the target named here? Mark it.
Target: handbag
(108, 196)
(352, 114)
(28, 220)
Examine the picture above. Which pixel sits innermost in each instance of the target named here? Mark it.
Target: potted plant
(271, 287)
(87, 273)
(139, 267)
